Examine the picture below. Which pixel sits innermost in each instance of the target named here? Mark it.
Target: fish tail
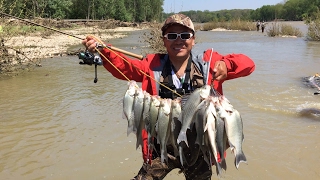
(182, 138)
(138, 143)
(129, 130)
(223, 164)
(240, 157)
(182, 158)
(218, 167)
(164, 155)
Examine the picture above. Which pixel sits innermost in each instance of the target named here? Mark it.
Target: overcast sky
(214, 5)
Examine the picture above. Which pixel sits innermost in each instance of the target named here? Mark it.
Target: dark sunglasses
(174, 36)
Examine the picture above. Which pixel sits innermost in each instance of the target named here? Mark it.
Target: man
(263, 26)
(181, 70)
(258, 25)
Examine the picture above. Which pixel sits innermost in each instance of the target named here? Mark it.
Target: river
(55, 123)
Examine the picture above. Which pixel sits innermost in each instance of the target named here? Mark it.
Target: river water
(55, 123)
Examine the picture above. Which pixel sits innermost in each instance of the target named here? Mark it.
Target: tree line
(123, 10)
(152, 10)
(288, 10)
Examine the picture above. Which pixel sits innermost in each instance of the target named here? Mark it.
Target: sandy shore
(223, 29)
(41, 46)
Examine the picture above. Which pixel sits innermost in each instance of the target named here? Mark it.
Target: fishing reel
(89, 58)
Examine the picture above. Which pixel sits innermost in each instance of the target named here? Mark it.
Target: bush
(283, 30)
(290, 30)
(230, 25)
(314, 27)
(274, 30)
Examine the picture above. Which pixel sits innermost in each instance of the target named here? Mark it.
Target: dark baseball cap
(178, 19)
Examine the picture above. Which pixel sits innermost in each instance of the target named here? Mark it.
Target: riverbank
(23, 52)
(37, 46)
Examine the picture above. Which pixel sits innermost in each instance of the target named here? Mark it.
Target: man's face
(178, 49)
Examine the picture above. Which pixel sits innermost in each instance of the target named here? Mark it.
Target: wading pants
(200, 170)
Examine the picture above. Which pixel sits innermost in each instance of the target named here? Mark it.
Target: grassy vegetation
(230, 25)
(314, 27)
(282, 29)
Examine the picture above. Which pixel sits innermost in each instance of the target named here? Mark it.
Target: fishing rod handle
(126, 52)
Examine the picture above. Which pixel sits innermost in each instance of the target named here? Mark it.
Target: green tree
(120, 10)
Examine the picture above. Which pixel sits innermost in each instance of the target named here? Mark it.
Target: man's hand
(90, 44)
(220, 71)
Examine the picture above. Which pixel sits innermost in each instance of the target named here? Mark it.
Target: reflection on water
(57, 124)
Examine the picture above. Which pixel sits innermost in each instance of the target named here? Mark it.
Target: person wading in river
(182, 71)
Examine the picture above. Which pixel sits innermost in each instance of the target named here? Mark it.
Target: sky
(214, 5)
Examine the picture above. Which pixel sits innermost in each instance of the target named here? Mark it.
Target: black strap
(166, 72)
(185, 84)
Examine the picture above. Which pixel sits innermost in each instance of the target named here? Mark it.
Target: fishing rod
(86, 57)
(89, 58)
(68, 34)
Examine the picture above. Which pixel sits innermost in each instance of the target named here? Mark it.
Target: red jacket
(238, 65)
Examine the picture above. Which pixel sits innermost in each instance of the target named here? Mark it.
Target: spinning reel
(89, 58)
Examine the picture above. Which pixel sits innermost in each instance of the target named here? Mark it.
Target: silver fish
(146, 106)
(189, 110)
(138, 111)
(175, 124)
(210, 128)
(200, 120)
(128, 101)
(221, 140)
(162, 127)
(153, 117)
(234, 130)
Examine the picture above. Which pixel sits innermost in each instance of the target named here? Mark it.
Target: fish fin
(240, 157)
(182, 137)
(164, 155)
(139, 140)
(182, 157)
(232, 148)
(223, 164)
(205, 127)
(137, 144)
(129, 130)
(218, 169)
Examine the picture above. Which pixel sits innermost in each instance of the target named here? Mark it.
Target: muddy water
(55, 123)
